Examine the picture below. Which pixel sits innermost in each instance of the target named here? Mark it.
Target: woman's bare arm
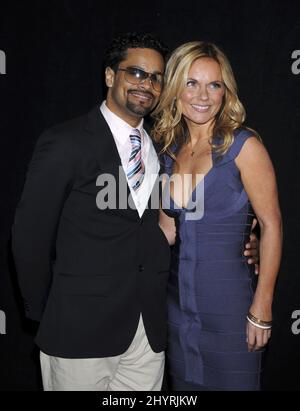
(167, 224)
(258, 177)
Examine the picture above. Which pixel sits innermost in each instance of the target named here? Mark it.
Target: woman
(219, 318)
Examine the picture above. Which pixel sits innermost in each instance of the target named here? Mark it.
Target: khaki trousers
(138, 369)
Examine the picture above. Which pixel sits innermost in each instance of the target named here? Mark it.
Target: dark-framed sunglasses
(136, 75)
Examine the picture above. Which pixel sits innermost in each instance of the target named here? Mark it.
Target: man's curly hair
(117, 50)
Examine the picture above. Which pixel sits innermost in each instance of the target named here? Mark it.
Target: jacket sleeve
(48, 182)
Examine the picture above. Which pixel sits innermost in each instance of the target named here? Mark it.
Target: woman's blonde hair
(170, 127)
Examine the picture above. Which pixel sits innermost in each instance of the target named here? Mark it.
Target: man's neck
(132, 120)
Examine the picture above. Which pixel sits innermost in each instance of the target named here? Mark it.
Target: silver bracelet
(263, 327)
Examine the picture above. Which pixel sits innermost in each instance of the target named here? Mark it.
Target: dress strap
(240, 137)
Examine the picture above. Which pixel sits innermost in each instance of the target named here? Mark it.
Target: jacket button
(141, 268)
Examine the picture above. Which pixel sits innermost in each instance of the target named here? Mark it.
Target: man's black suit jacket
(86, 274)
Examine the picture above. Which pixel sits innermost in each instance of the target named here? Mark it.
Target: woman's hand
(252, 248)
(258, 337)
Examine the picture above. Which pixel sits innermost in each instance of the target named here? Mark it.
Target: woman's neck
(200, 132)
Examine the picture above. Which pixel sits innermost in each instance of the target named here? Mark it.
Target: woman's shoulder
(241, 135)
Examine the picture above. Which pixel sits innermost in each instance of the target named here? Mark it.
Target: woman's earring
(174, 107)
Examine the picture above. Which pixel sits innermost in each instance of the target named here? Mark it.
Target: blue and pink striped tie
(136, 168)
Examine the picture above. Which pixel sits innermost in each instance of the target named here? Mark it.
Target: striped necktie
(136, 168)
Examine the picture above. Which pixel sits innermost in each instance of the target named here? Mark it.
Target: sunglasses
(136, 75)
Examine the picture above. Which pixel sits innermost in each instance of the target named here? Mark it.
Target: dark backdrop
(54, 51)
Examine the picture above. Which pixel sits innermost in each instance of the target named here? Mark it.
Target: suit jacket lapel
(106, 150)
(105, 146)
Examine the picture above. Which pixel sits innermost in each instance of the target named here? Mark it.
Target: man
(96, 277)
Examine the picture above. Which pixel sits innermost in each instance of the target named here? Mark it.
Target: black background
(54, 55)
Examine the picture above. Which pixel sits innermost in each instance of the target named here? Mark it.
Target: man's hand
(252, 249)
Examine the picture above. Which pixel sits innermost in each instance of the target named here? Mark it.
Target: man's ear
(109, 77)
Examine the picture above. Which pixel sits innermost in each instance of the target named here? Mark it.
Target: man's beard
(139, 109)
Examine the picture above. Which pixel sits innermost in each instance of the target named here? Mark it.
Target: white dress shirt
(121, 132)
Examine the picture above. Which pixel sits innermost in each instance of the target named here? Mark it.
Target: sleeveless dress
(211, 285)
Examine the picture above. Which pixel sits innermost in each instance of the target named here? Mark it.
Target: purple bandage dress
(211, 285)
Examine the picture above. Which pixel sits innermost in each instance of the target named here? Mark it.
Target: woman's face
(202, 97)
